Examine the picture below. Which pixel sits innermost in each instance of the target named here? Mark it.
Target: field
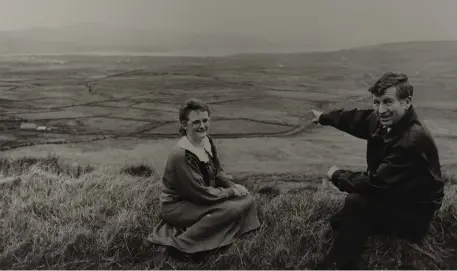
(121, 111)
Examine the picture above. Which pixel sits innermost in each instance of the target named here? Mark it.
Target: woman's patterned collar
(187, 145)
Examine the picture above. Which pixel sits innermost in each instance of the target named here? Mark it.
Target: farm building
(28, 126)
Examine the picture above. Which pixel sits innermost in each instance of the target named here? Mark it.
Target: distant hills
(95, 37)
(100, 38)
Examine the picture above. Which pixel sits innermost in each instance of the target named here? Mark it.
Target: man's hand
(326, 184)
(243, 190)
(228, 176)
(316, 115)
(331, 171)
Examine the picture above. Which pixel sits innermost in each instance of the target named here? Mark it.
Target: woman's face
(197, 125)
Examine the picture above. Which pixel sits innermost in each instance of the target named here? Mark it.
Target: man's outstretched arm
(354, 122)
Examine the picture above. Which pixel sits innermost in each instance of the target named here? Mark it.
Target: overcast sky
(330, 23)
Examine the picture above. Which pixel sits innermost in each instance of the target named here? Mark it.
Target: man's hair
(398, 80)
(188, 106)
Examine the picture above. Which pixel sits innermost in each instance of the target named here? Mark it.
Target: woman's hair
(193, 104)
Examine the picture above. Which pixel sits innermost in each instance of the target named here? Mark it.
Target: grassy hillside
(60, 216)
(92, 203)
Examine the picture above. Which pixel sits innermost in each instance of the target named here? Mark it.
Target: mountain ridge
(96, 37)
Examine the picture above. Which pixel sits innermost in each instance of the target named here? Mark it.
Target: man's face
(389, 108)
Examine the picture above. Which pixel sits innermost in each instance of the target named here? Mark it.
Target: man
(402, 187)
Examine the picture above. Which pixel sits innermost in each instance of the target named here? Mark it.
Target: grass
(60, 216)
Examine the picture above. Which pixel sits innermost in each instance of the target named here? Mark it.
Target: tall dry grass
(59, 216)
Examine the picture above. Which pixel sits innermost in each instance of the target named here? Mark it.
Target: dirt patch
(440, 127)
(157, 107)
(51, 115)
(96, 110)
(138, 170)
(229, 127)
(122, 104)
(46, 103)
(110, 125)
(273, 114)
(17, 139)
(146, 115)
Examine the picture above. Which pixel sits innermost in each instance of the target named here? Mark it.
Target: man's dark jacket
(402, 165)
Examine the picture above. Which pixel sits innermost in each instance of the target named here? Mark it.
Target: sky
(327, 23)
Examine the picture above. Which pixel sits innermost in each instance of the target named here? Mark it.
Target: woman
(201, 209)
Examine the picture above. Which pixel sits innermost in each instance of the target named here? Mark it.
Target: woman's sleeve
(221, 178)
(190, 184)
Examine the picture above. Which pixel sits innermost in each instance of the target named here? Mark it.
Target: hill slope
(93, 37)
(57, 216)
